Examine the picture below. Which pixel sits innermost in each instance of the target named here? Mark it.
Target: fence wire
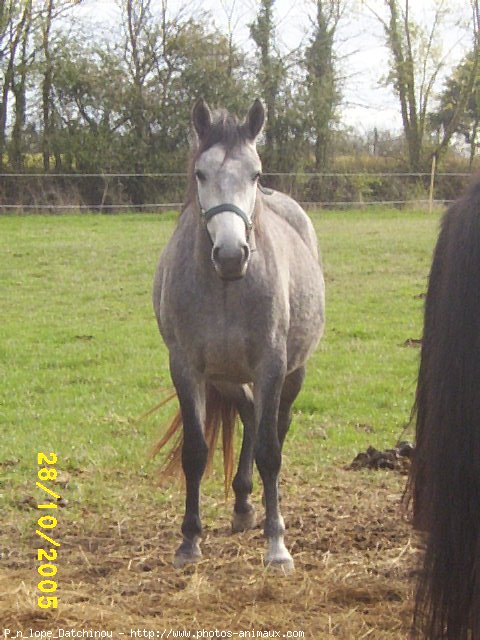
(161, 191)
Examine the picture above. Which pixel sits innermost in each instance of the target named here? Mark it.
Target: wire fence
(142, 192)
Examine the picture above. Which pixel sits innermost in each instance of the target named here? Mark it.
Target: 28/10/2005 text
(46, 523)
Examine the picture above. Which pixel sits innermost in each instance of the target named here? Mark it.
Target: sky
(363, 59)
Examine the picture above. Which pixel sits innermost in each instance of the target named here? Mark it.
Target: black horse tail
(445, 477)
(220, 416)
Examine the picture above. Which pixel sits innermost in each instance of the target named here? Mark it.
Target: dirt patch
(352, 547)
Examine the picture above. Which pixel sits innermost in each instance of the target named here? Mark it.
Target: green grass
(80, 353)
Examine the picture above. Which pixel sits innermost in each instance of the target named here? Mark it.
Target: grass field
(80, 358)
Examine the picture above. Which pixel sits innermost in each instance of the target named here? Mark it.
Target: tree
(271, 72)
(142, 45)
(415, 66)
(13, 17)
(322, 83)
(46, 27)
(49, 14)
(87, 105)
(18, 86)
(468, 124)
(129, 110)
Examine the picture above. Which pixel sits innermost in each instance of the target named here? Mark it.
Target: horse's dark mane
(226, 130)
(445, 479)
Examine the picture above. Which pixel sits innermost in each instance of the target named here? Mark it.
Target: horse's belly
(307, 322)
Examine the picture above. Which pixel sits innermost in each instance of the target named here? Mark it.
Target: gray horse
(239, 300)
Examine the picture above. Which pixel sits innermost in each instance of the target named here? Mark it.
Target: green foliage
(90, 103)
(124, 104)
(90, 91)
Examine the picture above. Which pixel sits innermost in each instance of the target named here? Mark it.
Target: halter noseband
(226, 206)
(220, 208)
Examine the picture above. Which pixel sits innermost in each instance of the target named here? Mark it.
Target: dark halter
(220, 208)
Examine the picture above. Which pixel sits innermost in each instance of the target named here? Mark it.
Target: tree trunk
(47, 87)
(3, 114)
(405, 82)
(19, 82)
(473, 144)
(323, 95)
(16, 142)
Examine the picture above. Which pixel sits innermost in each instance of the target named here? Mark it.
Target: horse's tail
(445, 477)
(220, 416)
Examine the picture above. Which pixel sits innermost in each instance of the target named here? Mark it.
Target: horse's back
(288, 209)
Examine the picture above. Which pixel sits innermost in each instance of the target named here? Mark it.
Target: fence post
(432, 183)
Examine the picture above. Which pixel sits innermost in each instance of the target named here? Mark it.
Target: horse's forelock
(225, 130)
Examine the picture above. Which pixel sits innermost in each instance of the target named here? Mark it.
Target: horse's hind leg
(191, 395)
(241, 395)
(268, 456)
(244, 513)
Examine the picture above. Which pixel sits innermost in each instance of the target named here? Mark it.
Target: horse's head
(227, 169)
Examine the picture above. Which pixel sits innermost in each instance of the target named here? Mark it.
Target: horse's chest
(225, 338)
(227, 355)
(226, 347)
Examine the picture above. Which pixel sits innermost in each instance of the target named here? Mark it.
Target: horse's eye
(256, 176)
(200, 175)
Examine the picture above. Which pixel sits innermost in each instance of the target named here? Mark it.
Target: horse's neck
(202, 245)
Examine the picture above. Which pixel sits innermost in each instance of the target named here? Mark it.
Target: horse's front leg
(190, 389)
(268, 456)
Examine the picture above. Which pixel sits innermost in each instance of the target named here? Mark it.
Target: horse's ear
(255, 119)
(201, 118)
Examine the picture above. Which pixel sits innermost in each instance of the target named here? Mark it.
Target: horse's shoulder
(287, 208)
(171, 253)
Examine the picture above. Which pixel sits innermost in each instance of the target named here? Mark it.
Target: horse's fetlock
(192, 527)
(274, 529)
(242, 486)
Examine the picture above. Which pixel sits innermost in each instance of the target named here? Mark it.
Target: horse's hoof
(181, 560)
(278, 557)
(244, 521)
(281, 565)
(187, 553)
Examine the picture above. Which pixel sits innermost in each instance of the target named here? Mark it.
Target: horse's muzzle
(231, 262)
